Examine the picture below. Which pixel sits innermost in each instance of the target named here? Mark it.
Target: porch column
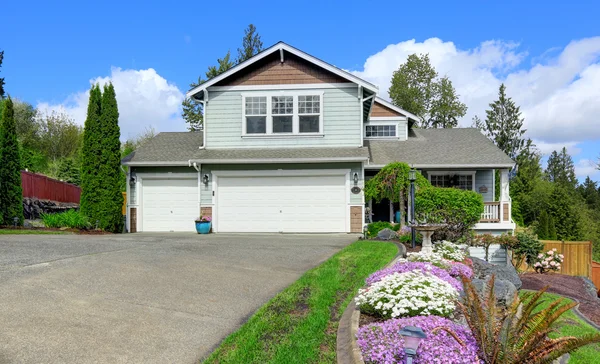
(504, 196)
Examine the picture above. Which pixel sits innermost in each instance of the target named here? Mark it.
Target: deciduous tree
(417, 89)
(11, 192)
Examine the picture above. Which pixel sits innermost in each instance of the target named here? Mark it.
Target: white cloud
(144, 97)
(559, 97)
(586, 167)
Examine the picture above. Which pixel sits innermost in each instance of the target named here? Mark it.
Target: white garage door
(282, 204)
(169, 204)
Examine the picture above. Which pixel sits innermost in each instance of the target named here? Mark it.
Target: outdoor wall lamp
(355, 177)
(412, 336)
(132, 181)
(205, 179)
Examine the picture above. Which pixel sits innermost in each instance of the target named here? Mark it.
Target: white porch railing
(495, 212)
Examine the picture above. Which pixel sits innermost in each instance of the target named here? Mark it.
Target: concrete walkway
(140, 298)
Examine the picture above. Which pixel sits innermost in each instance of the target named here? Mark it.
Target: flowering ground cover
(403, 266)
(381, 343)
(300, 324)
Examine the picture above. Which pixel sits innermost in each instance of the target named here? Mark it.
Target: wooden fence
(46, 188)
(596, 275)
(578, 257)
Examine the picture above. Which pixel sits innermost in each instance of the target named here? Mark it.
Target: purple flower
(459, 269)
(402, 267)
(381, 343)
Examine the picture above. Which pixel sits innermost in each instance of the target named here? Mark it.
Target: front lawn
(571, 325)
(300, 324)
(31, 231)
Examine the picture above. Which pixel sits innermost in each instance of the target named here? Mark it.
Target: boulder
(484, 270)
(504, 290)
(386, 234)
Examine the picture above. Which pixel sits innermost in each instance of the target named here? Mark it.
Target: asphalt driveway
(140, 298)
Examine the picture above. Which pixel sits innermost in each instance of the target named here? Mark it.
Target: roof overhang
(388, 104)
(156, 164)
(280, 47)
(449, 166)
(277, 160)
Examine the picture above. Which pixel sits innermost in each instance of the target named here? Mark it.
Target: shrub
(69, 219)
(402, 267)
(519, 334)
(450, 251)
(460, 209)
(548, 261)
(408, 294)
(527, 248)
(381, 343)
(375, 227)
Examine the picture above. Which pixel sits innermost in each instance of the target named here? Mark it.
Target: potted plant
(203, 224)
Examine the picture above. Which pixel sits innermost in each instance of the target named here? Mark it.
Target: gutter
(425, 166)
(278, 160)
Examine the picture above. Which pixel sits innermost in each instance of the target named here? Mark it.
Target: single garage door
(282, 204)
(169, 204)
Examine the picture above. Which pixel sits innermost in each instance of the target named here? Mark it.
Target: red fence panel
(46, 188)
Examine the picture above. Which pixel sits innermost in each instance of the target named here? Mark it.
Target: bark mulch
(568, 286)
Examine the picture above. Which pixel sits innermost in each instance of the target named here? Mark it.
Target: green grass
(30, 232)
(69, 219)
(299, 325)
(571, 325)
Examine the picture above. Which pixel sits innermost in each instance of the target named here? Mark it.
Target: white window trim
(461, 173)
(295, 119)
(381, 122)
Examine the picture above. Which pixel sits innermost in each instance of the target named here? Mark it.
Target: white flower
(551, 251)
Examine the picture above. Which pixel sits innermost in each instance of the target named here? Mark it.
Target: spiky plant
(519, 333)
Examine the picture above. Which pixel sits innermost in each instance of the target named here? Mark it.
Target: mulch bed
(75, 231)
(568, 286)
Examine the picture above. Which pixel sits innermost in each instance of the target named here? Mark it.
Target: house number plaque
(355, 190)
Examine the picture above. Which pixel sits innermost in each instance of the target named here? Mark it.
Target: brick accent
(505, 211)
(133, 220)
(206, 211)
(270, 71)
(356, 216)
(380, 110)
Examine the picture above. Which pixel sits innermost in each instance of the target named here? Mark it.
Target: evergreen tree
(551, 228)
(589, 192)
(111, 202)
(11, 192)
(1, 78)
(561, 169)
(542, 228)
(416, 88)
(251, 44)
(563, 209)
(90, 158)
(504, 124)
(68, 171)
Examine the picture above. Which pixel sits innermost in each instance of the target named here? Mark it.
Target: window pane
(309, 104)
(282, 105)
(380, 131)
(282, 124)
(256, 124)
(256, 106)
(309, 124)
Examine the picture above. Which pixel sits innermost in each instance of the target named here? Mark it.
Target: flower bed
(450, 251)
(381, 343)
(402, 267)
(412, 293)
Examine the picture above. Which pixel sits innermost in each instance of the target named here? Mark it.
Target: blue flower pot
(203, 227)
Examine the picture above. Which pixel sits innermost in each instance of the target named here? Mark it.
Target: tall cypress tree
(91, 157)
(11, 192)
(111, 218)
(542, 228)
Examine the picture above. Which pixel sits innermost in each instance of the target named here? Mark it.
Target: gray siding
(485, 177)
(206, 191)
(341, 121)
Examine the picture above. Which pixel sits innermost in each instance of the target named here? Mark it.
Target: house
(287, 137)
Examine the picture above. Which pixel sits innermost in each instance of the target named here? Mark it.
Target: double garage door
(292, 204)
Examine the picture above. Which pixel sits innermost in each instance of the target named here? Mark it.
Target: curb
(347, 351)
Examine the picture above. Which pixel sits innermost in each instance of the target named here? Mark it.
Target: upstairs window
(294, 113)
(256, 115)
(380, 131)
(309, 113)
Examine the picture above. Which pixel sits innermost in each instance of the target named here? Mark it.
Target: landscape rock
(484, 270)
(33, 208)
(504, 290)
(387, 234)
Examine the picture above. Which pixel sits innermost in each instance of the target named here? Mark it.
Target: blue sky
(548, 53)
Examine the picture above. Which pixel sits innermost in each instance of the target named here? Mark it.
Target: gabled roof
(414, 118)
(439, 148)
(281, 47)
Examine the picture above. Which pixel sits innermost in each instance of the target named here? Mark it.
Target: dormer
(388, 122)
